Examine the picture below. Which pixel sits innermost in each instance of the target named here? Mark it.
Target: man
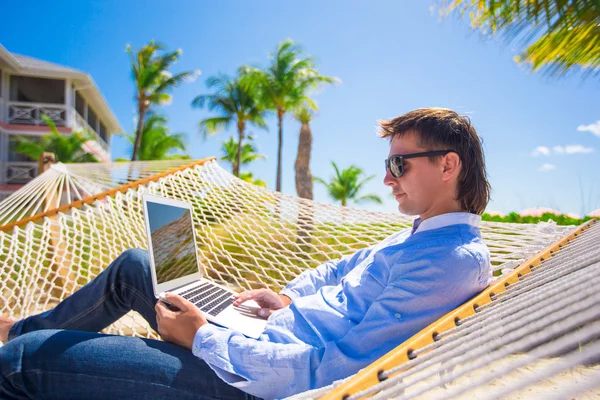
(325, 325)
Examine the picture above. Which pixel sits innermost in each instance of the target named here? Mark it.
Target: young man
(325, 325)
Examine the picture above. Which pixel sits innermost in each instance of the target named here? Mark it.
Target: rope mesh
(250, 237)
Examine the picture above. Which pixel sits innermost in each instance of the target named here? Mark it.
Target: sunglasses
(395, 162)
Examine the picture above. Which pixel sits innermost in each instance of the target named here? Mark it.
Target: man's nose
(388, 179)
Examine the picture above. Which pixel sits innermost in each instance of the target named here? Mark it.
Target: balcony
(80, 124)
(17, 171)
(31, 113)
(26, 113)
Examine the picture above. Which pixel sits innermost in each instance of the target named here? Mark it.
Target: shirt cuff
(292, 294)
(203, 333)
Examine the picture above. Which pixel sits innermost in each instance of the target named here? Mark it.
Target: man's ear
(451, 166)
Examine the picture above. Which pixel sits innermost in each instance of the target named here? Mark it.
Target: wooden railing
(18, 171)
(31, 113)
(80, 124)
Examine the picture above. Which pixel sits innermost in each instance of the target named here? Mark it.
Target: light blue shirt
(347, 313)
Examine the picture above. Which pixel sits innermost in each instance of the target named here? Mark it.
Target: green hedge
(516, 218)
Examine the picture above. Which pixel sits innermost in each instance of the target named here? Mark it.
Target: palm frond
(210, 126)
(346, 184)
(559, 36)
(371, 198)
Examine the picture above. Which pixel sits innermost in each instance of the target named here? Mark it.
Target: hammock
(68, 224)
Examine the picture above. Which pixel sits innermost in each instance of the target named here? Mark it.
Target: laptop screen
(172, 235)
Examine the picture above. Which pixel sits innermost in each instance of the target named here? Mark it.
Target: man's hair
(443, 129)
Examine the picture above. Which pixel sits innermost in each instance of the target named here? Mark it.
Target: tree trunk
(280, 114)
(304, 188)
(238, 158)
(304, 181)
(140, 127)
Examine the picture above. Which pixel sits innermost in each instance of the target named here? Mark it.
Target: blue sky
(391, 57)
(161, 215)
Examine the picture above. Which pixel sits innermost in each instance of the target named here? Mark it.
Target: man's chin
(405, 212)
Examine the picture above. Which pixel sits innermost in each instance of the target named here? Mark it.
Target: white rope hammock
(248, 236)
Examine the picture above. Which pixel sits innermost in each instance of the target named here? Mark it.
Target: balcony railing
(18, 172)
(31, 113)
(80, 124)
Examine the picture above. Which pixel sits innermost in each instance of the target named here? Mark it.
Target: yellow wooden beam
(370, 376)
(111, 192)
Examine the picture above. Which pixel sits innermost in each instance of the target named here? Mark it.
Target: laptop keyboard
(209, 298)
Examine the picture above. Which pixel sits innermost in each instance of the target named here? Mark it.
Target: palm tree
(560, 34)
(346, 184)
(156, 142)
(249, 177)
(153, 81)
(66, 148)
(248, 154)
(235, 102)
(304, 181)
(285, 85)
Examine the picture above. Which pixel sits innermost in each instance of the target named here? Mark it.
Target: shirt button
(397, 315)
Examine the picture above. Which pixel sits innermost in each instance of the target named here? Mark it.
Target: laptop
(176, 268)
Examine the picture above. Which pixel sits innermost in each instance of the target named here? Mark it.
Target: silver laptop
(176, 269)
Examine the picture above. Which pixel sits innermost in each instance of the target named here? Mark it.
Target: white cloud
(594, 128)
(546, 167)
(569, 149)
(577, 148)
(540, 151)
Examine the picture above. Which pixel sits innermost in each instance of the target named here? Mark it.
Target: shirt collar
(442, 220)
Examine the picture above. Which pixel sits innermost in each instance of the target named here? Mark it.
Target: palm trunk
(238, 159)
(280, 114)
(304, 181)
(304, 188)
(140, 127)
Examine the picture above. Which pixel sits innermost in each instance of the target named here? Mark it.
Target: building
(29, 88)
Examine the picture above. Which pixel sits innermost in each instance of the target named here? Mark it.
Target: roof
(34, 63)
(26, 65)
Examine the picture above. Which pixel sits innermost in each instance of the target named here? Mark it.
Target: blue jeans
(58, 354)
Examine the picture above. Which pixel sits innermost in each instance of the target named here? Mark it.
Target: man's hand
(178, 327)
(267, 299)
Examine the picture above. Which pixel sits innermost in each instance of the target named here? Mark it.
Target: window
(79, 104)
(92, 119)
(37, 90)
(103, 132)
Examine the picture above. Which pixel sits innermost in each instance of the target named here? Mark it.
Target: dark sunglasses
(395, 162)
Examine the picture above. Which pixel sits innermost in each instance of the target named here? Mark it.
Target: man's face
(418, 190)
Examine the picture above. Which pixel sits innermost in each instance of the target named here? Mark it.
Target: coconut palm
(249, 177)
(285, 85)
(153, 81)
(156, 142)
(248, 154)
(66, 148)
(346, 185)
(304, 181)
(236, 103)
(560, 34)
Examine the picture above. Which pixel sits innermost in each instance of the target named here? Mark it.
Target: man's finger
(161, 309)
(255, 294)
(179, 301)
